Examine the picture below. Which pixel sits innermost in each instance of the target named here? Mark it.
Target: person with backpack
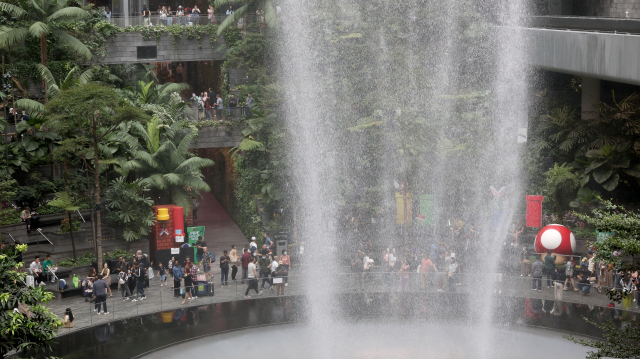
(163, 274)
(536, 273)
(123, 279)
(224, 269)
(281, 272)
(252, 278)
(177, 277)
(549, 266)
(265, 269)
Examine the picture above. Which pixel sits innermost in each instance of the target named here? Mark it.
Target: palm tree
(249, 5)
(39, 19)
(65, 201)
(165, 164)
(54, 87)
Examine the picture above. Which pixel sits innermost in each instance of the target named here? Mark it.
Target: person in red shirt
(425, 267)
(246, 259)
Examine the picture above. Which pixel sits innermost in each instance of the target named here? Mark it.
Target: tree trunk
(43, 61)
(96, 165)
(73, 242)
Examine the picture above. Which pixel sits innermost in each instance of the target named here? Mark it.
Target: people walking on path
(265, 270)
(569, 269)
(281, 274)
(246, 259)
(525, 263)
(252, 278)
(200, 245)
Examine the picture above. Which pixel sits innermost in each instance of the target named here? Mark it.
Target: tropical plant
(69, 204)
(26, 323)
(7, 191)
(558, 181)
(129, 208)
(84, 116)
(165, 164)
(587, 199)
(41, 19)
(605, 165)
(71, 79)
(620, 340)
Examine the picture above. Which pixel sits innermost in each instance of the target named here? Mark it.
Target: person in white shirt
(36, 271)
(274, 265)
(252, 277)
(230, 11)
(367, 262)
(253, 247)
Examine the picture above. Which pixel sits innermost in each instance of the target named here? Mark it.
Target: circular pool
(375, 339)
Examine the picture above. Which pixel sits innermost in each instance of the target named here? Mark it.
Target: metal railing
(194, 113)
(168, 298)
(185, 20)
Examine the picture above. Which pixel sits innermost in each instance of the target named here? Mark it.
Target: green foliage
(170, 170)
(90, 257)
(129, 209)
(65, 228)
(560, 180)
(32, 326)
(9, 216)
(626, 226)
(619, 341)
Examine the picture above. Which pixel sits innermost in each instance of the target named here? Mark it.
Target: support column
(125, 9)
(590, 97)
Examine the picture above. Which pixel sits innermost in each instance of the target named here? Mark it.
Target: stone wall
(607, 8)
(122, 48)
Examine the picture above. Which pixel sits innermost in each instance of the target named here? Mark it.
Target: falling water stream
(441, 97)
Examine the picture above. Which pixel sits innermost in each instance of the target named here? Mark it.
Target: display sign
(175, 250)
(179, 238)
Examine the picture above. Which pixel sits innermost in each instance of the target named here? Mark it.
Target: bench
(72, 292)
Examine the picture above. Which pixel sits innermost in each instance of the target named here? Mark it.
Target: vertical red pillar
(534, 211)
(178, 221)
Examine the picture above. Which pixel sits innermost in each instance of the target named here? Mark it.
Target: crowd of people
(213, 106)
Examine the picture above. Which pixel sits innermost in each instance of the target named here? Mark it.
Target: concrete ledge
(606, 56)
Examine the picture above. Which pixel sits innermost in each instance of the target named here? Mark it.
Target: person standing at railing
(141, 275)
(252, 277)
(404, 276)
(123, 278)
(211, 16)
(549, 266)
(177, 277)
(230, 11)
(628, 288)
(146, 15)
(195, 15)
(425, 268)
(163, 15)
(525, 263)
(219, 107)
(169, 16)
(100, 291)
(536, 273)
(286, 262)
(180, 15)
